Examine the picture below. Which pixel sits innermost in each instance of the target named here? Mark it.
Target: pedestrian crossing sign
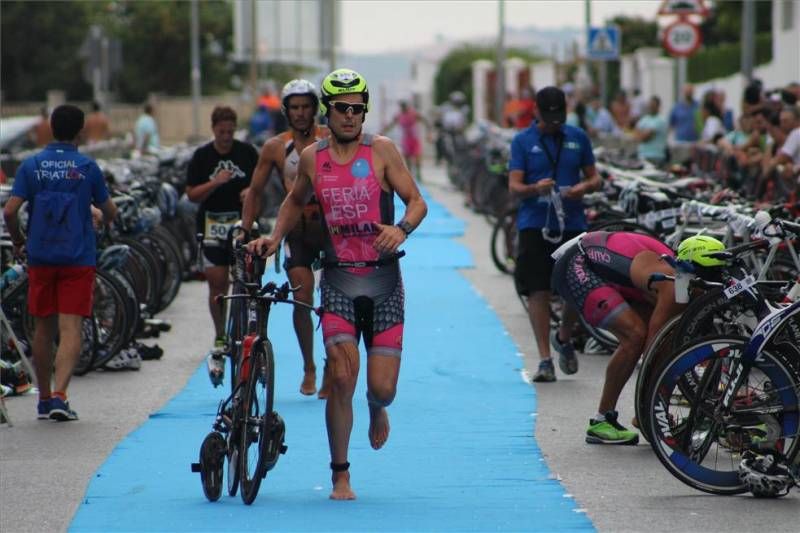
(604, 43)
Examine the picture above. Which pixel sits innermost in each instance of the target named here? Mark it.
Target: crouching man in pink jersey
(354, 176)
(605, 277)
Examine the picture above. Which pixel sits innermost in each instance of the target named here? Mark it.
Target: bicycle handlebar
(684, 266)
(732, 253)
(273, 293)
(272, 299)
(793, 227)
(694, 282)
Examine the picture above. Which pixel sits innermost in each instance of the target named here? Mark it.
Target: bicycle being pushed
(247, 431)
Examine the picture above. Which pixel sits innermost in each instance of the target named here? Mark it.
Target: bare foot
(309, 385)
(378, 427)
(325, 389)
(341, 487)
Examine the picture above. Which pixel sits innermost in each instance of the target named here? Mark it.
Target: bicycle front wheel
(653, 356)
(256, 430)
(699, 444)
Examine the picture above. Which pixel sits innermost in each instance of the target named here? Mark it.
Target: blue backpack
(55, 229)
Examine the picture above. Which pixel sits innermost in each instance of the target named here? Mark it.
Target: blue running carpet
(460, 457)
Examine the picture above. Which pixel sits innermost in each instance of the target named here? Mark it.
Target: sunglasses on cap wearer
(344, 107)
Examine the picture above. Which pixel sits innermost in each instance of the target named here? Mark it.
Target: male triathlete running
(605, 277)
(354, 177)
(299, 103)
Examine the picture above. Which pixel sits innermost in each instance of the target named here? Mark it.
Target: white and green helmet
(342, 81)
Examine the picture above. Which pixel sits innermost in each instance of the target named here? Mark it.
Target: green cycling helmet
(342, 81)
(698, 250)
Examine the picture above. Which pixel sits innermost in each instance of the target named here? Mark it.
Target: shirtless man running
(354, 176)
(299, 103)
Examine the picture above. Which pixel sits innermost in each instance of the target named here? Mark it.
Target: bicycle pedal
(196, 468)
(283, 449)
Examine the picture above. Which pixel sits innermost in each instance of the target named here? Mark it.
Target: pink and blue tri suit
(357, 300)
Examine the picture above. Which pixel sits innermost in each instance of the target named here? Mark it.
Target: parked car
(15, 138)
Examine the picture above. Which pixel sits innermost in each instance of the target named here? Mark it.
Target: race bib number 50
(219, 224)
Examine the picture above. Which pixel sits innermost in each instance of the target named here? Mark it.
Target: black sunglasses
(344, 107)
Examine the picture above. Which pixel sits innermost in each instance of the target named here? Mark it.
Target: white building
(303, 32)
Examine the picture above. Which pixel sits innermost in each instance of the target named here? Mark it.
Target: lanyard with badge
(555, 198)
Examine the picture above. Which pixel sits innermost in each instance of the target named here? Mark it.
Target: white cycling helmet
(299, 87)
(766, 476)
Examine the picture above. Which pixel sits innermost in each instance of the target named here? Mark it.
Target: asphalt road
(45, 467)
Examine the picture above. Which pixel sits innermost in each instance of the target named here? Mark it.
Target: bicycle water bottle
(10, 276)
(794, 292)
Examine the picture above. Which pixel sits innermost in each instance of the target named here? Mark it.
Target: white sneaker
(127, 359)
(216, 368)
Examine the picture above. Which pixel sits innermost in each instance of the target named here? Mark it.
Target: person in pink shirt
(354, 176)
(410, 140)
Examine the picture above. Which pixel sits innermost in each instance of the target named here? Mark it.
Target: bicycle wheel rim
(88, 347)
(504, 242)
(655, 354)
(714, 466)
(110, 317)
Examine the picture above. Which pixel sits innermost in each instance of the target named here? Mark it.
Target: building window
(787, 14)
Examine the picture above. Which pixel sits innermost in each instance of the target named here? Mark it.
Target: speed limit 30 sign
(682, 38)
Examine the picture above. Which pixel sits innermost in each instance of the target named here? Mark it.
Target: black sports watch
(406, 227)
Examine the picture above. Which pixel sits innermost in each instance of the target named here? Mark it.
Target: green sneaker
(609, 431)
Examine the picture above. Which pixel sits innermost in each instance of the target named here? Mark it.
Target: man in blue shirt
(547, 160)
(60, 184)
(651, 132)
(682, 118)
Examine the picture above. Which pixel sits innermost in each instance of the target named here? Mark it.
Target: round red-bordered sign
(682, 38)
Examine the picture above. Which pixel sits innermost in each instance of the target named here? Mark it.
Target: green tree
(40, 41)
(724, 25)
(637, 32)
(155, 39)
(455, 70)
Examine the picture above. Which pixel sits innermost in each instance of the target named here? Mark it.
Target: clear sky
(374, 26)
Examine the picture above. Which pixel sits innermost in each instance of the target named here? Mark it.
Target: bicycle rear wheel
(703, 447)
(256, 426)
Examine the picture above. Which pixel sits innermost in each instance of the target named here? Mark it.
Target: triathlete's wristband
(406, 227)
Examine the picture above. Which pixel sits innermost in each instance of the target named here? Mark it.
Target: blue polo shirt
(61, 168)
(528, 155)
(682, 120)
